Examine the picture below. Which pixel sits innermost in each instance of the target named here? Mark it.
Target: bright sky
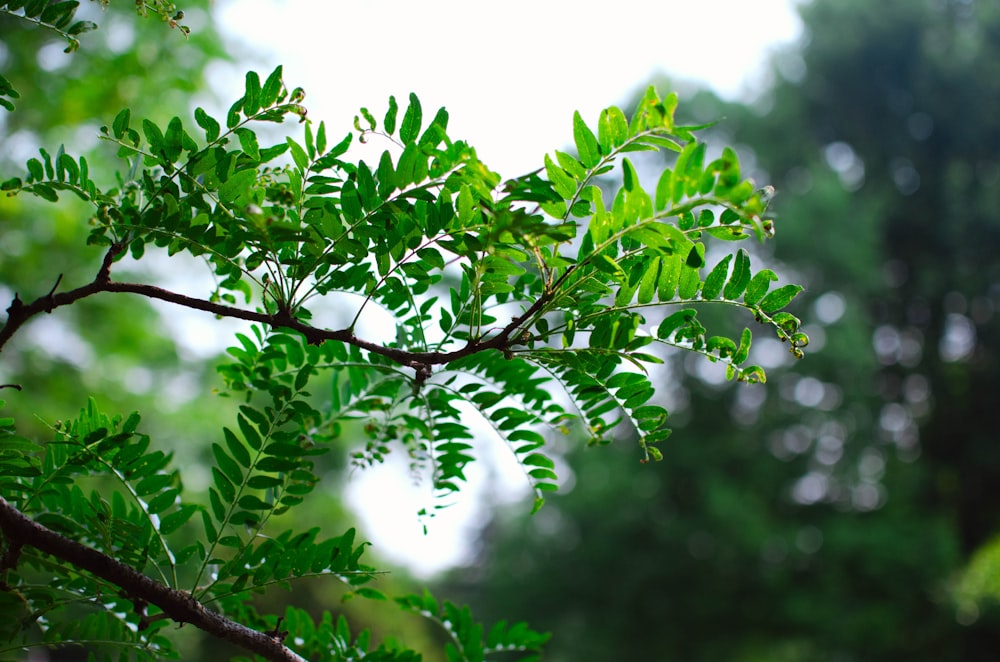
(510, 74)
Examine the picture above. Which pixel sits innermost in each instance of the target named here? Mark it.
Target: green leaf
(66, 163)
(310, 146)
(163, 501)
(367, 114)
(250, 432)
(233, 116)
(173, 141)
(690, 281)
(727, 232)
(435, 132)
(604, 263)
(779, 298)
(612, 129)
(31, 7)
(670, 275)
(562, 182)
(7, 88)
(674, 321)
(216, 499)
(350, 203)
(410, 127)
(321, 138)
(248, 142)
(250, 502)
(650, 278)
(298, 155)
(45, 192)
(693, 171)
(210, 126)
(744, 349)
(120, 124)
(340, 148)
(740, 277)
(677, 183)
(663, 189)
(227, 465)
(652, 235)
(366, 187)
(690, 276)
(571, 166)
(722, 345)
(272, 88)
(389, 122)
(175, 520)
(625, 293)
(58, 163)
(370, 593)
(465, 205)
(260, 482)
(153, 484)
(758, 286)
(696, 256)
(59, 14)
(153, 135)
(630, 178)
(236, 447)
(251, 99)
(586, 144)
(49, 171)
(237, 186)
(753, 374)
(80, 27)
(716, 278)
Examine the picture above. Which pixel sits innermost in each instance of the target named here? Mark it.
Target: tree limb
(18, 313)
(20, 530)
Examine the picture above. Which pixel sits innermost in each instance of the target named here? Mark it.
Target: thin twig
(18, 313)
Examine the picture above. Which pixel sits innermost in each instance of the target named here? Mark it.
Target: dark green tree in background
(530, 309)
(832, 517)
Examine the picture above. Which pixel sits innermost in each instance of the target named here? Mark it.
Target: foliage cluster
(499, 291)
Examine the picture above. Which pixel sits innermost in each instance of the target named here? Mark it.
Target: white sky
(510, 74)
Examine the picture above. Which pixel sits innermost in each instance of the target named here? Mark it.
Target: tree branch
(18, 313)
(20, 530)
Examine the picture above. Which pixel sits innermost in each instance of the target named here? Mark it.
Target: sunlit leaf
(779, 298)
(758, 286)
(586, 144)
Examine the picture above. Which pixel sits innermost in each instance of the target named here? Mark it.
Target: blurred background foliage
(65, 98)
(845, 511)
(831, 514)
